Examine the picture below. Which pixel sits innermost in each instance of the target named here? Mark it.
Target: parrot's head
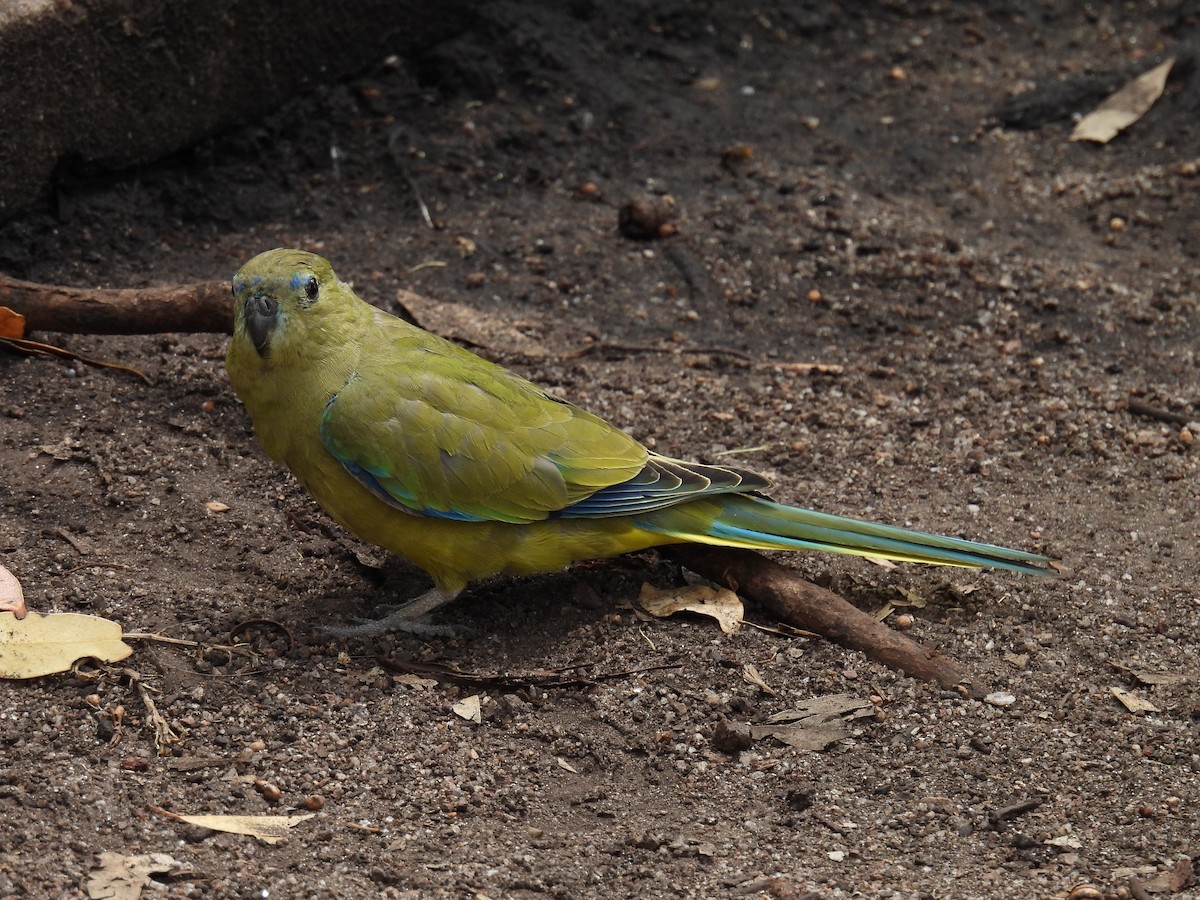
(282, 298)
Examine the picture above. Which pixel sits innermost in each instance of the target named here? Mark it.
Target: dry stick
(205, 306)
(805, 605)
(1138, 408)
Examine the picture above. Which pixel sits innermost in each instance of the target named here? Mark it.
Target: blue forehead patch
(298, 280)
(241, 282)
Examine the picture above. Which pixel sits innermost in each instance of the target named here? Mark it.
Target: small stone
(646, 218)
(1000, 698)
(647, 841)
(732, 737)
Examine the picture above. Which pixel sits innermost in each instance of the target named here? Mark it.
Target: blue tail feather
(743, 521)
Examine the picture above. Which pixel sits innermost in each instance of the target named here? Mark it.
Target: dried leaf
(750, 676)
(415, 681)
(1159, 679)
(12, 324)
(1132, 701)
(42, 645)
(122, 877)
(825, 709)
(269, 829)
(1126, 106)
(719, 603)
(468, 708)
(563, 764)
(802, 737)
(36, 348)
(911, 598)
(1155, 679)
(12, 598)
(816, 724)
(907, 598)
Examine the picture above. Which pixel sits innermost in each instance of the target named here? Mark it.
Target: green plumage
(468, 470)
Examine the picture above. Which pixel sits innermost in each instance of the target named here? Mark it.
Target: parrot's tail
(760, 524)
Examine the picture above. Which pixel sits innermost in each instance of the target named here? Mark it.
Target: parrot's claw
(412, 617)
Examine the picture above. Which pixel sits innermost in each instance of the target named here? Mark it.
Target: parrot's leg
(411, 617)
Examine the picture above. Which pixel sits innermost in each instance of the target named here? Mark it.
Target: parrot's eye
(311, 287)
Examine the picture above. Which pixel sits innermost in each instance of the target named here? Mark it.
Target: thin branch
(804, 605)
(201, 307)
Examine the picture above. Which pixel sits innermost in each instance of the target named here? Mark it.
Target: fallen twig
(543, 678)
(205, 306)
(610, 347)
(164, 734)
(37, 348)
(804, 605)
(997, 817)
(1138, 408)
(393, 147)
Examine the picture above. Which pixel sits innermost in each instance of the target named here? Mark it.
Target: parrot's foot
(412, 617)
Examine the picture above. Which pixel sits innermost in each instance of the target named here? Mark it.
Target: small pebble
(732, 737)
(646, 218)
(1000, 698)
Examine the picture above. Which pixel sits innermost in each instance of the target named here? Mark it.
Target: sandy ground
(996, 296)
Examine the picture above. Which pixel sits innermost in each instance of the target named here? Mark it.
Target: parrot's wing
(664, 482)
(435, 430)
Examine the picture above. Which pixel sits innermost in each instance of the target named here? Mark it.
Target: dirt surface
(996, 297)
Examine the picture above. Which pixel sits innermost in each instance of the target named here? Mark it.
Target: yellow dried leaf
(122, 877)
(269, 829)
(12, 324)
(42, 645)
(719, 603)
(1132, 701)
(1126, 106)
(468, 708)
(751, 675)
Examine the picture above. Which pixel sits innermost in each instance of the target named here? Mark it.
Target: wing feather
(454, 436)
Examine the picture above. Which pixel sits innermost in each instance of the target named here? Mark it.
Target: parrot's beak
(260, 314)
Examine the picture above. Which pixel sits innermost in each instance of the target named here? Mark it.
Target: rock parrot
(468, 470)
